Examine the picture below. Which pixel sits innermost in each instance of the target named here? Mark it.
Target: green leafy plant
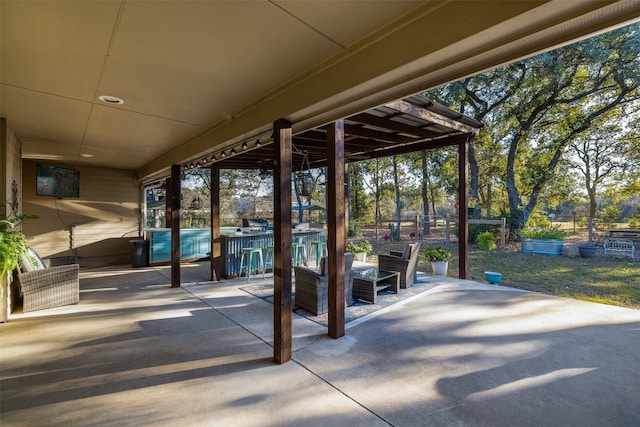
(354, 229)
(539, 221)
(476, 229)
(436, 253)
(486, 240)
(542, 233)
(359, 246)
(13, 244)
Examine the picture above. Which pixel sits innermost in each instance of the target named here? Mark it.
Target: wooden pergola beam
(423, 113)
(388, 123)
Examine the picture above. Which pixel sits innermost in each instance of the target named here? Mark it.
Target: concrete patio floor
(136, 352)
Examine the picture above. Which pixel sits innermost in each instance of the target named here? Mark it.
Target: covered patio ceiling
(199, 77)
(398, 127)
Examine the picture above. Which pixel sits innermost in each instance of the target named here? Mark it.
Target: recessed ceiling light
(86, 155)
(111, 99)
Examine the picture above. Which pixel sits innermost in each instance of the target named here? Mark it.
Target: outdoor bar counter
(231, 246)
(195, 243)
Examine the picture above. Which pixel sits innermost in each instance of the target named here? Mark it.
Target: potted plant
(439, 258)
(13, 244)
(360, 248)
(545, 241)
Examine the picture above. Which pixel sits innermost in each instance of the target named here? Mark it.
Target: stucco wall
(106, 216)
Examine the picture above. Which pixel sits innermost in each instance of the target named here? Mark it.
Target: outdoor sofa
(44, 287)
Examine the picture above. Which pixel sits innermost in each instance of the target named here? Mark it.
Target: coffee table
(367, 283)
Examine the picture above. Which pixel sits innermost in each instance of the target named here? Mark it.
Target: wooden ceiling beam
(388, 123)
(424, 114)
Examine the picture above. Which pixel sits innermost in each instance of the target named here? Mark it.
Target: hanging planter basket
(304, 182)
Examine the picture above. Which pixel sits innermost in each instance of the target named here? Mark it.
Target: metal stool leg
(243, 259)
(255, 256)
(268, 257)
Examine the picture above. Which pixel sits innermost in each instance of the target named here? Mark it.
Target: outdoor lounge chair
(405, 263)
(43, 287)
(312, 288)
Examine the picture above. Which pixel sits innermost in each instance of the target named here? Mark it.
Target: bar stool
(299, 251)
(268, 257)
(319, 249)
(250, 255)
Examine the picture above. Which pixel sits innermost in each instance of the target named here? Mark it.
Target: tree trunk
(488, 198)
(593, 205)
(377, 197)
(425, 193)
(474, 174)
(397, 190)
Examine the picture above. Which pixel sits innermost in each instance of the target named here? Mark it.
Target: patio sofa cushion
(31, 261)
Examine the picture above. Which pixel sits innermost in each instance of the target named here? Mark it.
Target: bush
(539, 221)
(486, 240)
(436, 253)
(476, 229)
(357, 247)
(542, 233)
(354, 229)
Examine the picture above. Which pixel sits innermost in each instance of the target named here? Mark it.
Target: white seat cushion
(31, 261)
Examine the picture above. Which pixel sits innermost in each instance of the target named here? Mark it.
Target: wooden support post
(347, 195)
(282, 280)
(167, 204)
(216, 268)
(174, 221)
(463, 224)
(336, 225)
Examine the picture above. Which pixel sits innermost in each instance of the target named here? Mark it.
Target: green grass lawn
(614, 281)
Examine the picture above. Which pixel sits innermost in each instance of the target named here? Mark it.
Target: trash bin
(139, 253)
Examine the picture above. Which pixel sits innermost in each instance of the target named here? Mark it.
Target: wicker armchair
(48, 287)
(312, 288)
(405, 263)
